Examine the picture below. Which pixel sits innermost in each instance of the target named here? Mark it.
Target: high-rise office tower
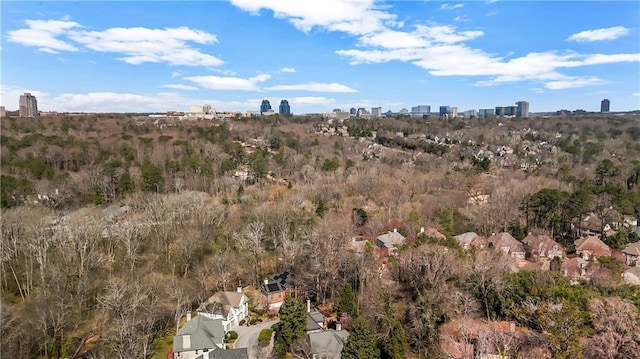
(28, 105)
(444, 110)
(523, 109)
(420, 111)
(265, 106)
(284, 108)
(376, 112)
(604, 105)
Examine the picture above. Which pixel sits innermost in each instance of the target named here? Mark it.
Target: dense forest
(114, 226)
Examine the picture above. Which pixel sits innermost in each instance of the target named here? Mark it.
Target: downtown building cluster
(520, 110)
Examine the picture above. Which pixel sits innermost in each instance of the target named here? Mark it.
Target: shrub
(264, 338)
(232, 335)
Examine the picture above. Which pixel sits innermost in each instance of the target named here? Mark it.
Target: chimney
(188, 316)
(421, 229)
(338, 326)
(266, 281)
(239, 289)
(395, 230)
(308, 305)
(186, 341)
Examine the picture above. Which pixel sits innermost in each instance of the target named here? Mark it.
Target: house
(327, 344)
(315, 322)
(469, 239)
(324, 343)
(506, 243)
(575, 269)
(389, 241)
(432, 233)
(591, 247)
(198, 336)
(632, 254)
(632, 276)
(231, 307)
(273, 291)
(541, 246)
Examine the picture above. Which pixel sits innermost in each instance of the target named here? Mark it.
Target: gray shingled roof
(221, 303)
(204, 332)
(217, 353)
(328, 342)
(391, 239)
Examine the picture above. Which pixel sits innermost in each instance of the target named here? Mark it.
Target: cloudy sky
(320, 54)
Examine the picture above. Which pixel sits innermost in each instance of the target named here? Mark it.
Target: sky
(157, 56)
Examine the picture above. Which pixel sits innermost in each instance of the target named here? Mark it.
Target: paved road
(248, 336)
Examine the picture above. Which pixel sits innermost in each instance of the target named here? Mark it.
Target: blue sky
(320, 54)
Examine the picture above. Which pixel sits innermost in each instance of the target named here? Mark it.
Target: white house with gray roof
(230, 307)
(199, 335)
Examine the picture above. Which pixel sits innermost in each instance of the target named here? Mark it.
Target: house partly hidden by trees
(389, 241)
(507, 244)
(230, 307)
(591, 247)
(274, 290)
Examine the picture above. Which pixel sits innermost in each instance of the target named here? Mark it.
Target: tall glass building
(284, 108)
(265, 106)
(28, 105)
(604, 105)
(522, 109)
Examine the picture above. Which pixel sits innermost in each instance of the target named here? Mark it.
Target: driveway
(248, 336)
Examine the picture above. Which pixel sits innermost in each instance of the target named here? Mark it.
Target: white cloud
(44, 34)
(439, 49)
(229, 83)
(287, 70)
(353, 17)
(451, 7)
(309, 101)
(180, 87)
(313, 87)
(140, 45)
(137, 44)
(573, 82)
(610, 33)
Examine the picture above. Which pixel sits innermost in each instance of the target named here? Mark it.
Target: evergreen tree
(292, 326)
(361, 343)
(395, 345)
(348, 303)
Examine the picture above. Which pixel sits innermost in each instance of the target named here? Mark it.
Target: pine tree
(361, 343)
(348, 303)
(293, 323)
(395, 345)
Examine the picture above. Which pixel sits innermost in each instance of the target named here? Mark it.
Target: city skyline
(321, 55)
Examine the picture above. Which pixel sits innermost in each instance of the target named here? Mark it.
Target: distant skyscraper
(265, 106)
(28, 105)
(353, 111)
(501, 110)
(376, 112)
(444, 110)
(420, 111)
(523, 109)
(604, 105)
(284, 108)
